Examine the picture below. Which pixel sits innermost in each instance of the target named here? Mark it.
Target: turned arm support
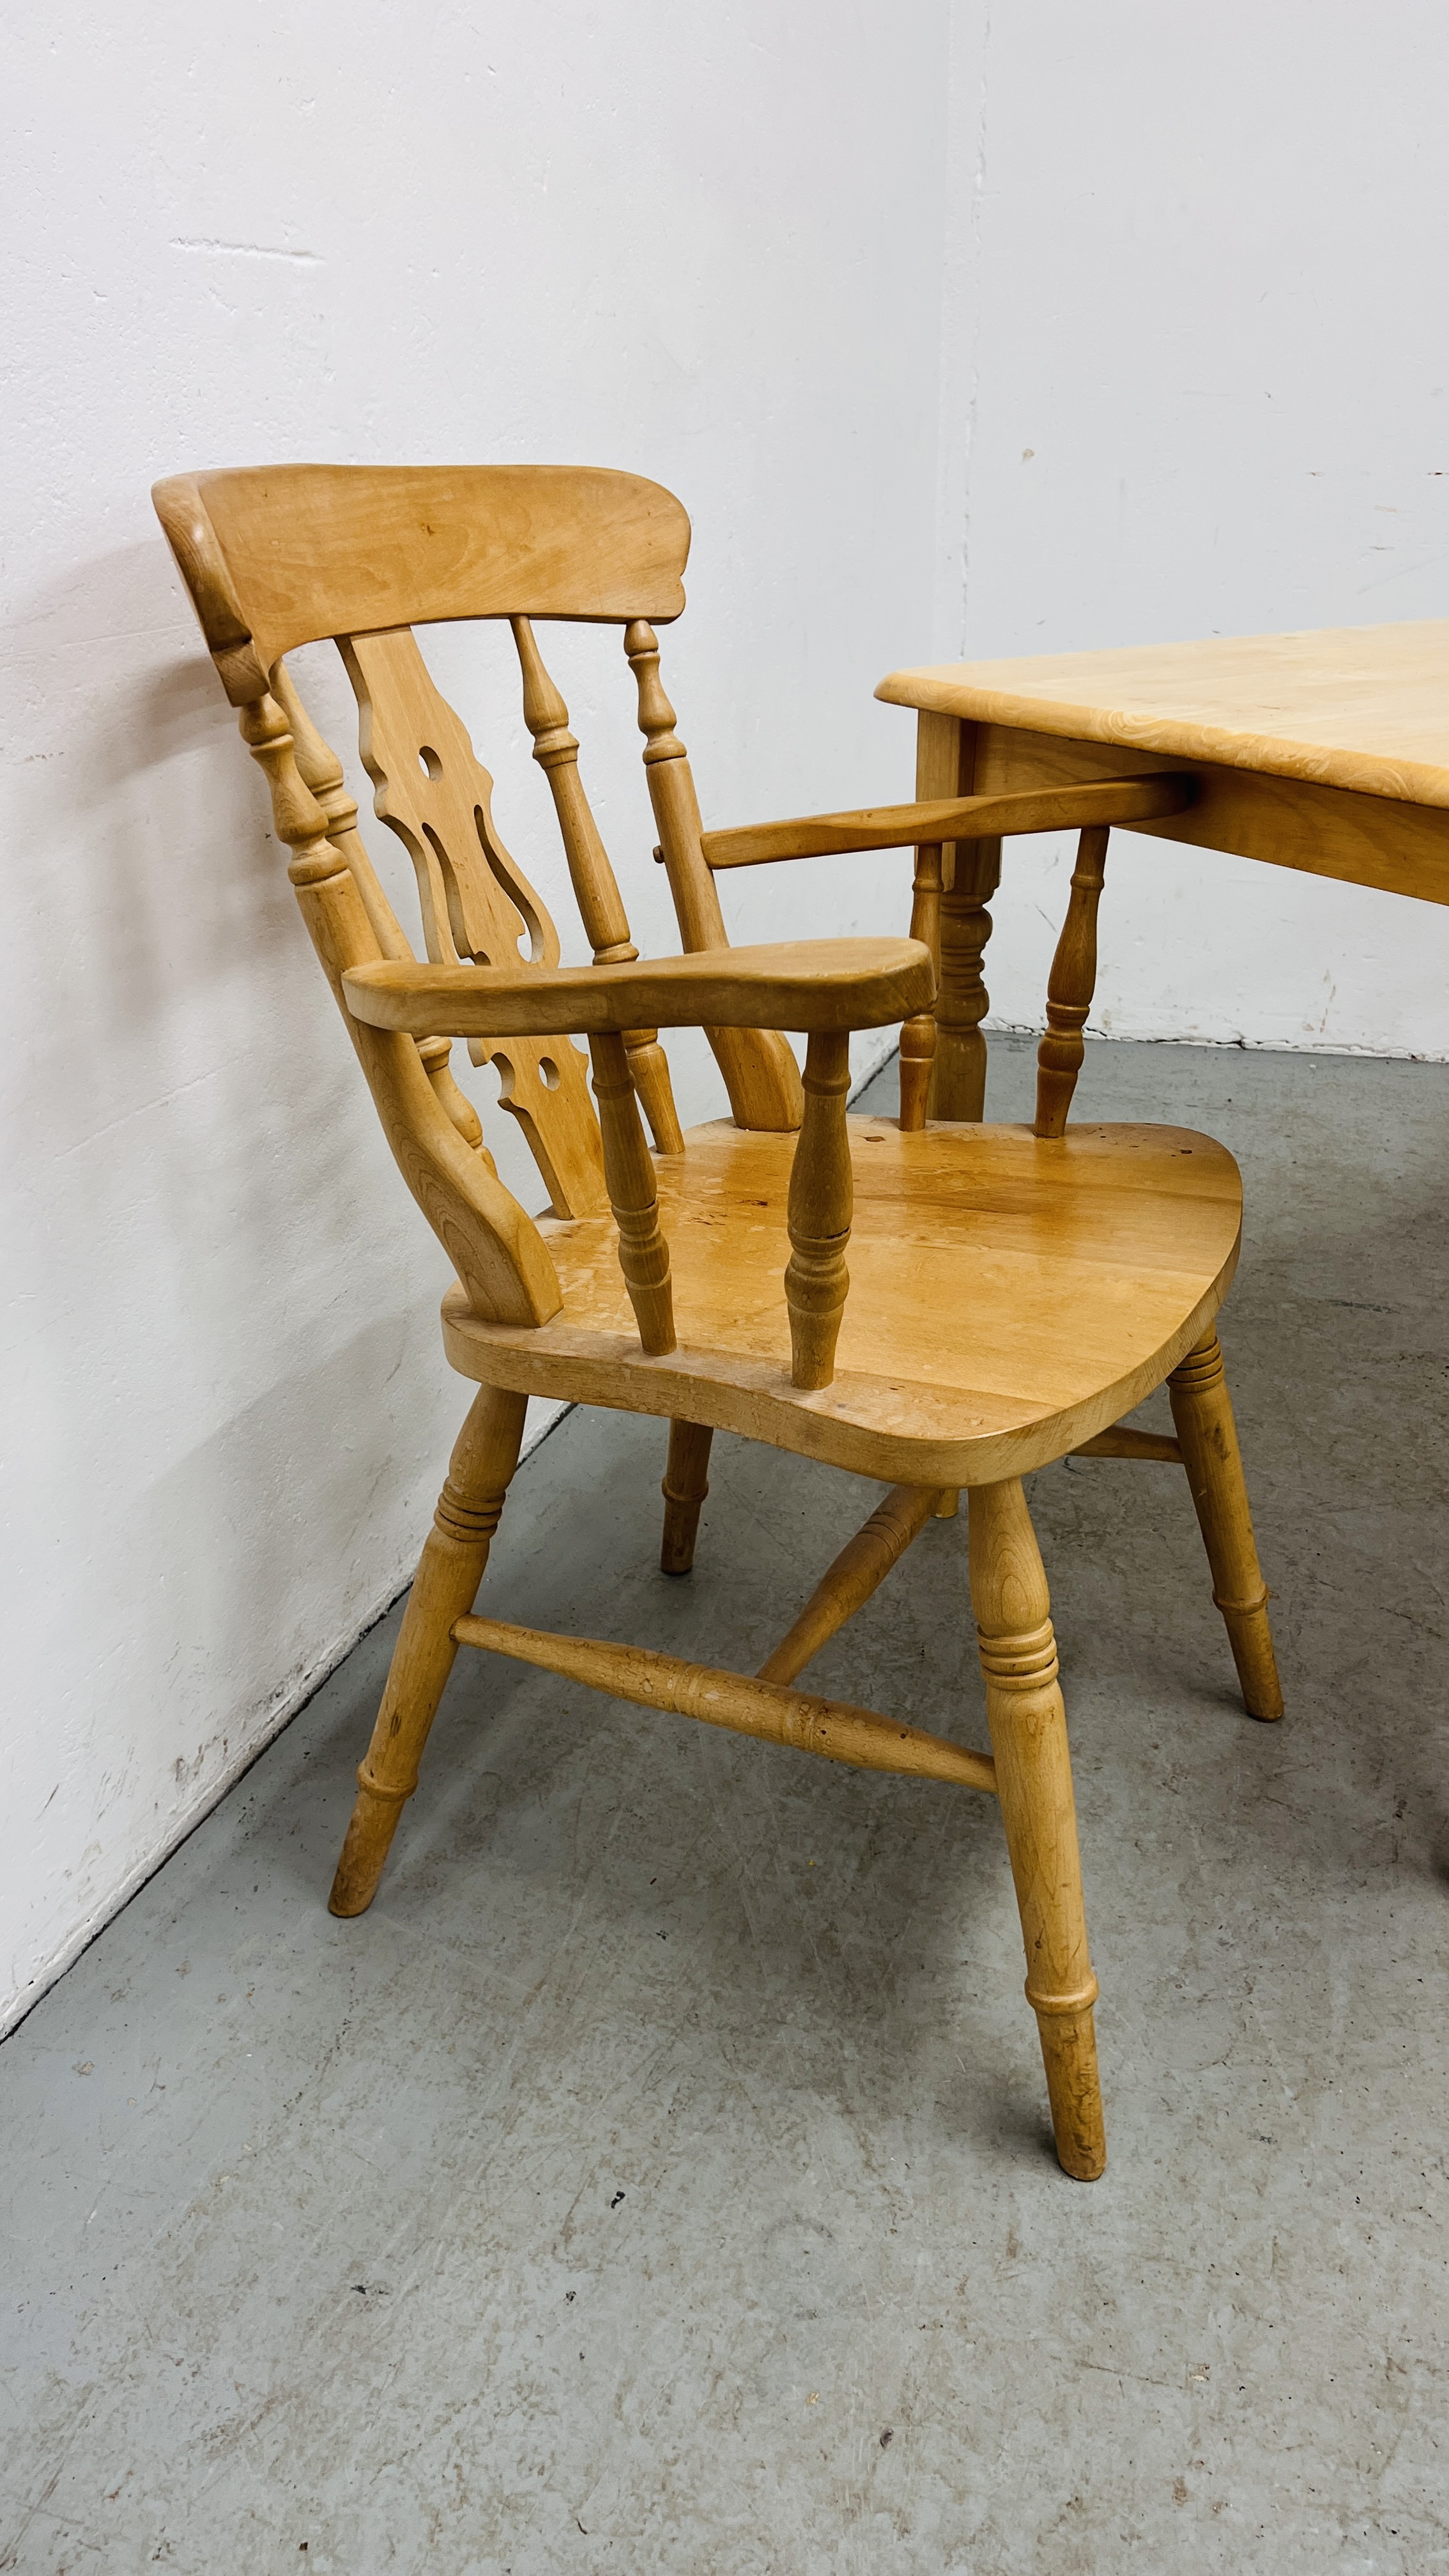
(817, 984)
(825, 987)
(951, 818)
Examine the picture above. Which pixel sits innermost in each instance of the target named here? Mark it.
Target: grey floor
(657, 2178)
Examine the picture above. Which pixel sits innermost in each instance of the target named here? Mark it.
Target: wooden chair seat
(1009, 1298)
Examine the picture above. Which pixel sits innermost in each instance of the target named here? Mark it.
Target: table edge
(935, 690)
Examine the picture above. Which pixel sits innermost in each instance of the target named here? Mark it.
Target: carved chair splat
(933, 1302)
(476, 902)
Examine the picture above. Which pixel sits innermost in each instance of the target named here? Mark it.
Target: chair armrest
(812, 984)
(953, 818)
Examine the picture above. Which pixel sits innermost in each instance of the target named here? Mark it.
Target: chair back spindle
(596, 888)
(760, 1073)
(1070, 987)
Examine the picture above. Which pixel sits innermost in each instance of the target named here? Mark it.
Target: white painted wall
(695, 241)
(1196, 382)
(827, 271)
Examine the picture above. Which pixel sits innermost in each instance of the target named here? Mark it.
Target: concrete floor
(657, 2178)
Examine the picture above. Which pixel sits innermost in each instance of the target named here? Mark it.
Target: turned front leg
(1034, 1783)
(444, 1589)
(819, 1212)
(1203, 1415)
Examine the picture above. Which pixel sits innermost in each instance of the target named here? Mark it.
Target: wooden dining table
(1326, 751)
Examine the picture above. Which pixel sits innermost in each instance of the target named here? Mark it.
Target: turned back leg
(1203, 1414)
(443, 1591)
(686, 1483)
(1034, 1783)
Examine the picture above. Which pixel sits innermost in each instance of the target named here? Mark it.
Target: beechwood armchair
(1011, 1291)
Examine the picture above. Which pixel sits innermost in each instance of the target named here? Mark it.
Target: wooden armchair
(1013, 1291)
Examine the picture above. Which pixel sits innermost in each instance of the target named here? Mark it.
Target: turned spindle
(918, 1035)
(596, 888)
(759, 1070)
(958, 1082)
(1070, 987)
(629, 1178)
(819, 1212)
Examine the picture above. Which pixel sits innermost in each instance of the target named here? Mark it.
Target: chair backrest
(277, 557)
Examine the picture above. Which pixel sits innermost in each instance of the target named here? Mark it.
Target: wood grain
(432, 790)
(633, 1198)
(1202, 1411)
(596, 888)
(1122, 1441)
(760, 1073)
(1070, 986)
(1287, 822)
(1326, 752)
(685, 1486)
(818, 1212)
(1014, 1294)
(816, 984)
(1364, 708)
(946, 760)
(950, 818)
(918, 1033)
(833, 1729)
(276, 556)
(500, 1258)
(445, 1585)
(1074, 1276)
(859, 1570)
(1034, 1783)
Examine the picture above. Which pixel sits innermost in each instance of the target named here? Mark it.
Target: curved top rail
(276, 556)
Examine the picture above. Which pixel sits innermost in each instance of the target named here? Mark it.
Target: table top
(1364, 707)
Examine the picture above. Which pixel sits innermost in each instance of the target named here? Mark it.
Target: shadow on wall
(231, 1412)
